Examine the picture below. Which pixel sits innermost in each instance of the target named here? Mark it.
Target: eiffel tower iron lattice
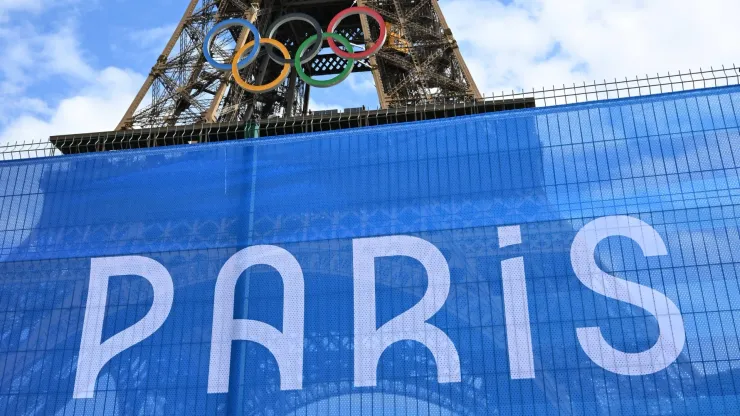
(419, 64)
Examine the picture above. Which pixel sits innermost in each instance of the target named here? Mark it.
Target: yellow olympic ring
(266, 87)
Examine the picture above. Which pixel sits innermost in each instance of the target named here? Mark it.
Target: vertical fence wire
(317, 121)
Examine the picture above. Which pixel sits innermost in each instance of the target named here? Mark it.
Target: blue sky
(73, 66)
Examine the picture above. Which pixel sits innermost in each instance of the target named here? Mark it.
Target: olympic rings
(266, 87)
(306, 52)
(352, 11)
(329, 82)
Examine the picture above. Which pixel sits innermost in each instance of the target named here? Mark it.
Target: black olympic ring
(311, 53)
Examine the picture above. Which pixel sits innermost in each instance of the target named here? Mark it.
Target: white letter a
(285, 346)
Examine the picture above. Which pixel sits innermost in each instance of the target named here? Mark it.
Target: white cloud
(97, 107)
(153, 38)
(35, 58)
(535, 43)
(16, 5)
(28, 6)
(361, 83)
(63, 55)
(54, 62)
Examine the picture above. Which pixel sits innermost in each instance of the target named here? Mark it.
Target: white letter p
(95, 354)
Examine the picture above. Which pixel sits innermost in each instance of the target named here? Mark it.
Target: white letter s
(672, 336)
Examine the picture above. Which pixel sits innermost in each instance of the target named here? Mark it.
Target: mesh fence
(639, 86)
(563, 260)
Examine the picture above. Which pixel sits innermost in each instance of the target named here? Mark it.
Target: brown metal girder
(210, 115)
(128, 115)
(377, 78)
(473, 88)
(405, 65)
(182, 105)
(416, 72)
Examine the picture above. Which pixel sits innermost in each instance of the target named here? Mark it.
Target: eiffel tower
(419, 66)
(420, 63)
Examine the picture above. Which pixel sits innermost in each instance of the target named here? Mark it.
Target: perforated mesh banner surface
(573, 260)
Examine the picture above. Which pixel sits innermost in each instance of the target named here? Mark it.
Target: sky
(73, 66)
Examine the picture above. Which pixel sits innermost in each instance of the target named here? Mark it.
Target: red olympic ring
(367, 52)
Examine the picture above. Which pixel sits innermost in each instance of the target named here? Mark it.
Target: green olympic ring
(328, 82)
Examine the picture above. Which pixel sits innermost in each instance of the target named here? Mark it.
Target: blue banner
(572, 260)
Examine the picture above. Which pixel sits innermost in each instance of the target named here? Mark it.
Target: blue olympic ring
(228, 23)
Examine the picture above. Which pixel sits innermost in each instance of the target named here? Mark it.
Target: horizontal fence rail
(336, 119)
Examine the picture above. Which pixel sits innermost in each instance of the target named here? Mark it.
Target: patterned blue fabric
(668, 160)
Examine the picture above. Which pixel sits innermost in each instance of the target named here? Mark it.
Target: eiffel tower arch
(419, 64)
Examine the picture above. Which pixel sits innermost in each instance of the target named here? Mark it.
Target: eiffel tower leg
(473, 88)
(290, 94)
(377, 78)
(210, 115)
(421, 63)
(306, 97)
(126, 121)
(418, 65)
